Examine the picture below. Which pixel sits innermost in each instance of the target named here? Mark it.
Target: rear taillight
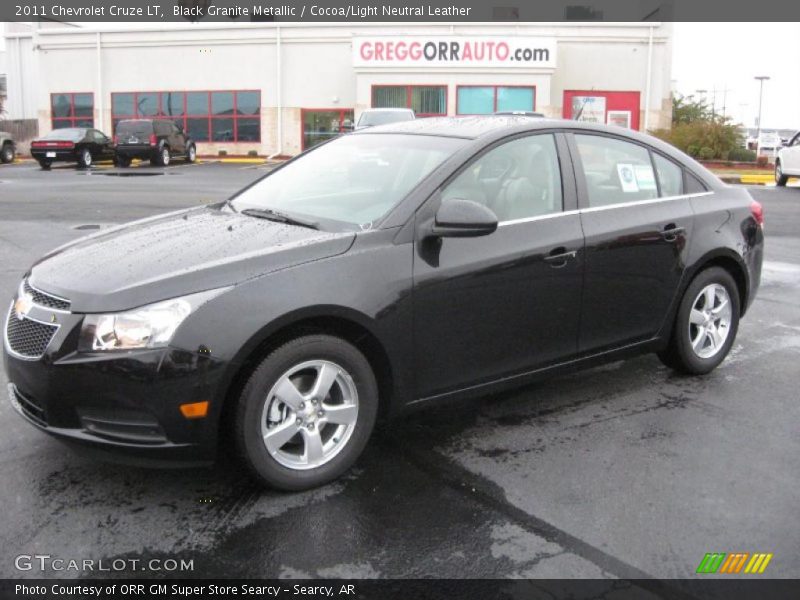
(58, 145)
(115, 140)
(758, 212)
(153, 139)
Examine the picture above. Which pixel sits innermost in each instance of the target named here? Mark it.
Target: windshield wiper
(274, 215)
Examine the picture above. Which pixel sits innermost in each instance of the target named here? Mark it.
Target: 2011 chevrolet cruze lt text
(386, 269)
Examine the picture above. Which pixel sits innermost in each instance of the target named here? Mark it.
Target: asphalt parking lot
(623, 471)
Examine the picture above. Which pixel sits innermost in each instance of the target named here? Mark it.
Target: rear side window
(670, 176)
(615, 171)
(517, 180)
(694, 185)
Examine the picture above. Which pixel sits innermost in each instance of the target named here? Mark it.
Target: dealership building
(278, 88)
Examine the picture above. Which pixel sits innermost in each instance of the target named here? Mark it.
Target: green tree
(700, 133)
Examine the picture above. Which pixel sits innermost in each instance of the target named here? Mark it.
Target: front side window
(615, 171)
(517, 180)
(350, 182)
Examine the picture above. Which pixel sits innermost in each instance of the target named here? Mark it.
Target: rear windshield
(140, 129)
(69, 134)
(370, 119)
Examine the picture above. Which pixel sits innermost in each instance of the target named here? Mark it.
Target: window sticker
(627, 178)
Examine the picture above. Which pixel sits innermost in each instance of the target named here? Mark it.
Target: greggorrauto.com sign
(454, 51)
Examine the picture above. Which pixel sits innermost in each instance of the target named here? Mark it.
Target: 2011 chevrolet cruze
(386, 269)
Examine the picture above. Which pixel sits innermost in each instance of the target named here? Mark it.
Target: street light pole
(761, 80)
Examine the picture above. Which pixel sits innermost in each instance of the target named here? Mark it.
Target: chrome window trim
(592, 209)
(7, 344)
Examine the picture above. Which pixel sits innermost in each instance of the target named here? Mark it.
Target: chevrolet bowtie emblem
(23, 306)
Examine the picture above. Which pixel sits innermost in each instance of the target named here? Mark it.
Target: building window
(488, 99)
(321, 125)
(209, 116)
(72, 110)
(424, 100)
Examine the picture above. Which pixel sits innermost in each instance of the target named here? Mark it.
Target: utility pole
(761, 79)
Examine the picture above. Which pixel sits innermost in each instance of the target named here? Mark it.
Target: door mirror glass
(458, 217)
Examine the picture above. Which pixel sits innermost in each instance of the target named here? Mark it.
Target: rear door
(637, 222)
(505, 303)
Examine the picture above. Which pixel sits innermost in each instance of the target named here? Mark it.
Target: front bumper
(119, 405)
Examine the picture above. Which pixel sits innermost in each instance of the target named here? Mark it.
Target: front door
(637, 222)
(494, 306)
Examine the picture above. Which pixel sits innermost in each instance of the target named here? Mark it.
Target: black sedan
(384, 270)
(81, 145)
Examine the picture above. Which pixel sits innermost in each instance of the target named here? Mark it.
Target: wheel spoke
(697, 343)
(711, 295)
(313, 442)
(696, 317)
(289, 394)
(326, 375)
(341, 414)
(716, 337)
(277, 437)
(717, 310)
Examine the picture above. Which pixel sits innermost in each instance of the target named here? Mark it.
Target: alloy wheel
(165, 156)
(309, 414)
(778, 171)
(710, 320)
(87, 158)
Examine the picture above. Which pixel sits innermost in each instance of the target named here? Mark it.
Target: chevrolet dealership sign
(454, 51)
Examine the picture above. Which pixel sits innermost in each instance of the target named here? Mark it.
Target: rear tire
(780, 178)
(706, 324)
(84, 158)
(122, 161)
(163, 156)
(45, 164)
(306, 413)
(7, 154)
(191, 154)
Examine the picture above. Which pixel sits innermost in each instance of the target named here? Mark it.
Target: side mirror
(457, 217)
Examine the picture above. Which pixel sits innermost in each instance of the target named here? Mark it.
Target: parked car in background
(81, 145)
(787, 164)
(384, 116)
(151, 139)
(476, 254)
(7, 147)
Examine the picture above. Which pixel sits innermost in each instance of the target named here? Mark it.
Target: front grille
(26, 337)
(27, 405)
(43, 299)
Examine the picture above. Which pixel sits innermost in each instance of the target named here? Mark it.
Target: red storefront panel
(615, 102)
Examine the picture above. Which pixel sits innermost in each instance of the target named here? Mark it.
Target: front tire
(706, 324)
(306, 413)
(84, 158)
(780, 178)
(7, 154)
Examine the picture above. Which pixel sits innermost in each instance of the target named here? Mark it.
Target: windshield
(72, 135)
(352, 180)
(382, 117)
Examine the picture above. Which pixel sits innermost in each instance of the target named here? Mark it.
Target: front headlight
(150, 326)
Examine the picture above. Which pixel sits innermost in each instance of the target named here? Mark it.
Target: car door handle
(671, 232)
(559, 257)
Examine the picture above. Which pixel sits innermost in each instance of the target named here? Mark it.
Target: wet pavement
(623, 471)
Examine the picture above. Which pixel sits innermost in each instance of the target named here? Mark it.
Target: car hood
(176, 254)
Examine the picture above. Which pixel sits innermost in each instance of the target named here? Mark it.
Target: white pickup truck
(787, 164)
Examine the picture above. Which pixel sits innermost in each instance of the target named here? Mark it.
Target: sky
(709, 56)
(729, 55)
